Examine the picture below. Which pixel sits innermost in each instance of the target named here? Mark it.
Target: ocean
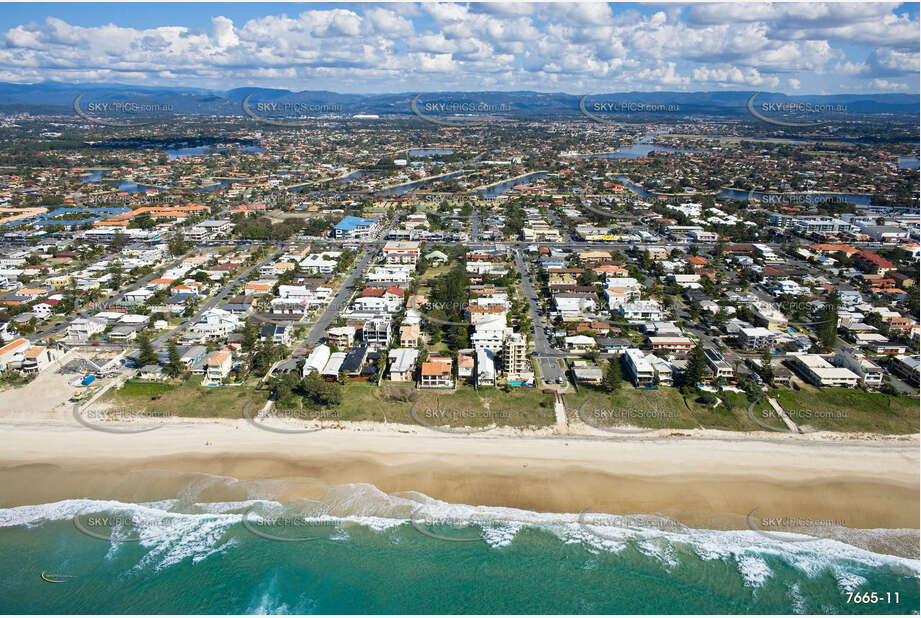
(362, 551)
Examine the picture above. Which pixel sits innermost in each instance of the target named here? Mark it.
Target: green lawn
(849, 410)
(393, 402)
(189, 399)
(659, 409)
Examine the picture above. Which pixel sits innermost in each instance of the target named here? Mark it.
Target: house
(193, 358)
(436, 258)
(718, 366)
(317, 360)
(276, 333)
(219, 365)
(436, 372)
(466, 361)
(319, 264)
(573, 305)
(485, 368)
(403, 364)
(409, 335)
(81, 329)
(586, 372)
(613, 345)
(136, 297)
(567, 276)
(354, 362)
(756, 337)
(215, 323)
(490, 334)
(579, 343)
(639, 369)
(640, 311)
(151, 372)
(259, 288)
(13, 353)
(330, 373)
(874, 263)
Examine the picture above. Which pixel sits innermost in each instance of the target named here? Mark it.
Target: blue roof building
(355, 227)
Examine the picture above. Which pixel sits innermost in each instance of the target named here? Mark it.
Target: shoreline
(711, 480)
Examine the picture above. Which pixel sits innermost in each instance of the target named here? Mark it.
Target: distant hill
(518, 103)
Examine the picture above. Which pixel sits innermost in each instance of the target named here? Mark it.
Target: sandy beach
(705, 478)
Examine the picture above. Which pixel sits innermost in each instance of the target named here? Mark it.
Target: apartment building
(515, 355)
(819, 372)
(340, 336)
(402, 252)
(355, 228)
(756, 337)
(871, 374)
(376, 333)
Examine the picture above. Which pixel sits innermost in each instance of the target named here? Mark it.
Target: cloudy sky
(576, 48)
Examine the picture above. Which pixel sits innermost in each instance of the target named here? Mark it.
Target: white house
(215, 323)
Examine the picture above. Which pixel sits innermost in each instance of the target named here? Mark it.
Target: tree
(250, 336)
(174, 366)
(828, 324)
(697, 365)
(178, 245)
(119, 242)
(147, 356)
(613, 377)
(767, 370)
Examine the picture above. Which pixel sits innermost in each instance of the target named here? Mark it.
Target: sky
(578, 48)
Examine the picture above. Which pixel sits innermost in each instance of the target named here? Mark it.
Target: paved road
(547, 356)
(341, 299)
(220, 297)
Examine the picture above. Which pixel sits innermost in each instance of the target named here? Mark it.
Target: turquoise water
(377, 553)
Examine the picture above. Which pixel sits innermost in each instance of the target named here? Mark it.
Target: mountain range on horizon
(59, 96)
